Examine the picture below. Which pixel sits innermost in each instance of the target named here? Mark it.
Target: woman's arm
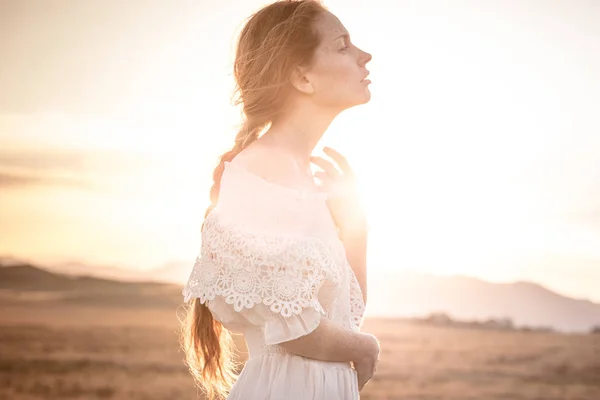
(346, 210)
(330, 342)
(355, 243)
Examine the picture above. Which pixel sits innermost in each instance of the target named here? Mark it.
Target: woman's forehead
(329, 27)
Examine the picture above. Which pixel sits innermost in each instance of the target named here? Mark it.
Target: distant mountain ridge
(468, 298)
(28, 283)
(397, 294)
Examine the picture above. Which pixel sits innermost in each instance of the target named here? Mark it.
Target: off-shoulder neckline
(297, 192)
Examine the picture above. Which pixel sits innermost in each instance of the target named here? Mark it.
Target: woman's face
(338, 72)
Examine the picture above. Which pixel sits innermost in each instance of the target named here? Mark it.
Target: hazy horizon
(479, 153)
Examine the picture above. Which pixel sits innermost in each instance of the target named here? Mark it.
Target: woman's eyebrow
(345, 35)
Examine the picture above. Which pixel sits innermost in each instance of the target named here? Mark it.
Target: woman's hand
(366, 365)
(343, 200)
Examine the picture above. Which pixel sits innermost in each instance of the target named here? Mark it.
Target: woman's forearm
(355, 243)
(330, 342)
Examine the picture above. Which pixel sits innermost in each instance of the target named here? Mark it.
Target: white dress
(271, 265)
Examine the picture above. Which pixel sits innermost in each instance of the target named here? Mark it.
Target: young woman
(283, 258)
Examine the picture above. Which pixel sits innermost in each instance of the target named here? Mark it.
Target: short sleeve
(252, 276)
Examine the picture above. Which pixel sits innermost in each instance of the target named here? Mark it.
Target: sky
(479, 153)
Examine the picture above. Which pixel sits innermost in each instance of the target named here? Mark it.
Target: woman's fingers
(325, 180)
(364, 374)
(327, 166)
(339, 159)
(362, 381)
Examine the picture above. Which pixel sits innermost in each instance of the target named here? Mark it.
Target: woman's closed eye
(345, 44)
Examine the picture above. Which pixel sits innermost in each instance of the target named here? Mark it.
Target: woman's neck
(299, 131)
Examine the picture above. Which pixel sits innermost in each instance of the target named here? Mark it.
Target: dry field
(77, 352)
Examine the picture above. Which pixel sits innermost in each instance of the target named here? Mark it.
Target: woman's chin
(366, 96)
(361, 98)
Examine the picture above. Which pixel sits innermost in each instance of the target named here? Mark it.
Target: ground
(92, 352)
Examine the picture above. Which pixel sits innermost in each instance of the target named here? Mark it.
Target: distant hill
(397, 294)
(411, 294)
(174, 272)
(80, 268)
(28, 283)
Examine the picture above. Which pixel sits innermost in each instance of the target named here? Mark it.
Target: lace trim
(283, 272)
(357, 304)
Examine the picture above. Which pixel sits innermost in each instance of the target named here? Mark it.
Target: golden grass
(75, 352)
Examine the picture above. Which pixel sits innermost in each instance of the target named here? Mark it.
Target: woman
(283, 259)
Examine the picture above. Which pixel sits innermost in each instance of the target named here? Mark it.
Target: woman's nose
(366, 57)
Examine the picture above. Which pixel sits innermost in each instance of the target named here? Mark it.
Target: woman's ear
(301, 81)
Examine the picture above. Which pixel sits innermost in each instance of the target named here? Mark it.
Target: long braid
(212, 359)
